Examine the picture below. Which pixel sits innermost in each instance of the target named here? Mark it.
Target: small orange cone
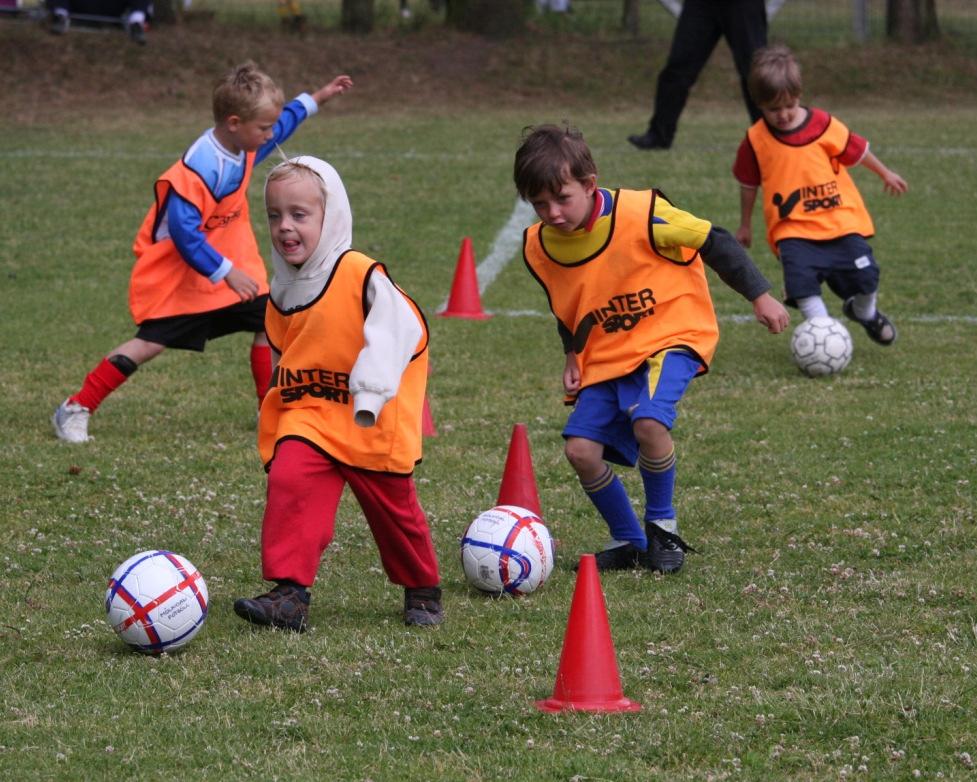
(587, 679)
(427, 421)
(464, 301)
(518, 480)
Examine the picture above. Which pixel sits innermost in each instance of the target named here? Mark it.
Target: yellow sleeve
(673, 229)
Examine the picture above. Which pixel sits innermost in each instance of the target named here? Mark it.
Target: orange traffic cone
(518, 480)
(427, 421)
(464, 301)
(587, 679)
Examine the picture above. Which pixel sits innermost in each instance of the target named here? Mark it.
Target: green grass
(827, 628)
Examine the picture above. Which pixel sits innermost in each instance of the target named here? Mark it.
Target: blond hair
(295, 168)
(244, 91)
(774, 74)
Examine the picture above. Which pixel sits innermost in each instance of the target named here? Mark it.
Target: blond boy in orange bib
(198, 273)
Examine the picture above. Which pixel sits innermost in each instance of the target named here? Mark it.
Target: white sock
(863, 305)
(812, 307)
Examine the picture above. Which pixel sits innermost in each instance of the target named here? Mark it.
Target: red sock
(261, 369)
(99, 383)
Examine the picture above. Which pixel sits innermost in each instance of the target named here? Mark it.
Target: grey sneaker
(70, 421)
(422, 606)
(666, 550)
(286, 606)
(878, 328)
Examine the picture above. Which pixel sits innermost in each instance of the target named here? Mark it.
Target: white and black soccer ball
(821, 346)
(156, 601)
(507, 550)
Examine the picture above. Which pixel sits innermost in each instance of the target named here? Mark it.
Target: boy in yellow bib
(623, 272)
(349, 352)
(817, 223)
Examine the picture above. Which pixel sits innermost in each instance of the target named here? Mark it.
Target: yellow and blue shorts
(605, 412)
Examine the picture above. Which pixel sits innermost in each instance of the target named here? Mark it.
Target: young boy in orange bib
(198, 273)
(349, 352)
(817, 223)
(623, 273)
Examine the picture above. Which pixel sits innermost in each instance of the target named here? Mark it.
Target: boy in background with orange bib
(349, 352)
(623, 273)
(817, 223)
(198, 273)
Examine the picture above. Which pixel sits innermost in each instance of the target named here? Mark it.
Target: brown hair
(774, 74)
(244, 91)
(548, 155)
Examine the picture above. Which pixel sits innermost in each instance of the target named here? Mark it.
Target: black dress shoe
(648, 141)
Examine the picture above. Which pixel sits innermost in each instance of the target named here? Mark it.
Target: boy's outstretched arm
(337, 86)
(891, 181)
(724, 255)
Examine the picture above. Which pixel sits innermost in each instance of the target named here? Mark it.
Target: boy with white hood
(349, 371)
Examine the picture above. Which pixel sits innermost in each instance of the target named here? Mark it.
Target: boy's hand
(744, 235)
(242, 284)
(771, 313)
(893, 183)
(337, 86)
(571, 375)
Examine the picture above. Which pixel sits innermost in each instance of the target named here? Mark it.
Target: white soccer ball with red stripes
(507, 550)
(156, 601)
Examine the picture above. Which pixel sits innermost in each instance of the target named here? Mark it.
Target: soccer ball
(821, 346)
(507, 550)
(156, 601)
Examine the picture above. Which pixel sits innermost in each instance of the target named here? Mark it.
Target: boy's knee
(653, 436)
(584, 455)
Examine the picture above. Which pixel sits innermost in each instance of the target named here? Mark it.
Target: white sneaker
(70, 422)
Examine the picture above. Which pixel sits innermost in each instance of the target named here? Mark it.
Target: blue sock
(658, 476)
(611, 500)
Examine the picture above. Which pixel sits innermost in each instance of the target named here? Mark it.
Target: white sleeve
(391, 332)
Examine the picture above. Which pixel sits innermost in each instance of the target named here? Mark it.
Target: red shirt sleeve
(745, 168)
(854, 151)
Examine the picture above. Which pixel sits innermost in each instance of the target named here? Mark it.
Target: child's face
(568, 209)
(295, 215)
(249, 135)
(784, 113)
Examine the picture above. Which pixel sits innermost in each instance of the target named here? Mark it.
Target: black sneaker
(137, 32)
(666, 550)
(422, 606)
(879, 328)
(648, 141)
(617, 556)
(286, 606)
(59, 23)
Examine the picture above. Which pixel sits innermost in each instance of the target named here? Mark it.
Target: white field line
(967, 319)
(508, 243)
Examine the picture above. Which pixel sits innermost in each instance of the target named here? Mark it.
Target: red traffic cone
(464, 301)
(518, 480)
(587, 679)
(427, 421)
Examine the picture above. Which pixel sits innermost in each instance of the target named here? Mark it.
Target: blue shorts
(846, 265)
(606, 412)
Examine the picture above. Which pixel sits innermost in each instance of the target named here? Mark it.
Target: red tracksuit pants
(304, 488)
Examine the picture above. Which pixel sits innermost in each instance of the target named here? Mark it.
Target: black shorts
(192, 332)
(845, 264)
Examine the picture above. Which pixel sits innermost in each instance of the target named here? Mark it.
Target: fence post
(859, 16)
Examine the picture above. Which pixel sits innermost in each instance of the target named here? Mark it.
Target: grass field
(826, 630)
